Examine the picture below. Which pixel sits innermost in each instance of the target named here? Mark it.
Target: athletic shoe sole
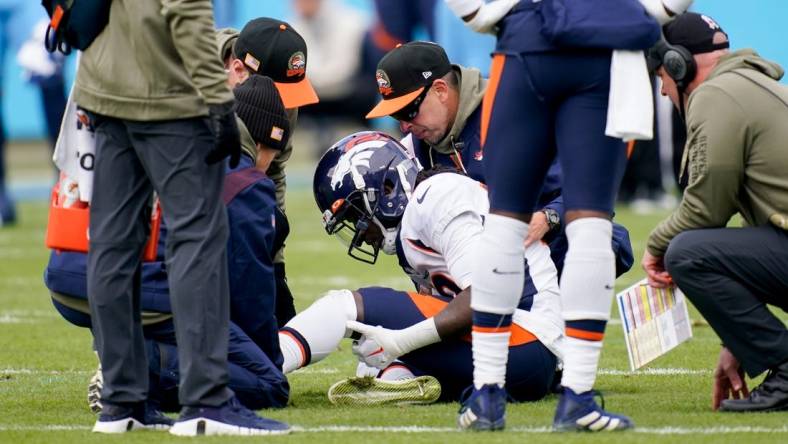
(94, 392)
(205, 426)
(468, 420)
(125, 425)
(367, 390)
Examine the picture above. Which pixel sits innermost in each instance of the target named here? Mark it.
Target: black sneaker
(128, 417)
(770, 396)
(231, 418)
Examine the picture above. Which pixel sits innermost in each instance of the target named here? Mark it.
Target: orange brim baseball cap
(272, 48)
(297, 94)
(404, 72)
(390, 106)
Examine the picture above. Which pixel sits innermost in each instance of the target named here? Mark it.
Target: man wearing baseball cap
(274, 49)
(440, 104)
(254, 356)
(734, 161)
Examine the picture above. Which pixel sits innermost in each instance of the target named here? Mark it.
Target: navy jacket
(251, 202)
(521, 31)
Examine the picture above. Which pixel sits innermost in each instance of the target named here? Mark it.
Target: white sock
(498, 278)
(490, 356)
(586, 294)
(496, 287)
(316, 332)
(580, 363)
(396, 372)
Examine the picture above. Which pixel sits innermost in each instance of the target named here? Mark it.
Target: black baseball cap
(405, 72)
(695, 32)
(274, 49)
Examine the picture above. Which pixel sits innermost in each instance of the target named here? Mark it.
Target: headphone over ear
(678, 63)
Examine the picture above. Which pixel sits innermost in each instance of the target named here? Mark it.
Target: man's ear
(238, 71)
(441, 88)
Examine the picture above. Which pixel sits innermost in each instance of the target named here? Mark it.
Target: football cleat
(230, 418)
(368, 390)
(127, 418)
(580, 412)
(484, 409)
(94, 390)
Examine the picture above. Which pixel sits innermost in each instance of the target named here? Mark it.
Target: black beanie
(259, 106)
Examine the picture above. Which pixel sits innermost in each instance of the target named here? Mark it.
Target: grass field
(45, 363)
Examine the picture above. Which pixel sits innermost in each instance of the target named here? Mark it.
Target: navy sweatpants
(529, 372)
(541, 105)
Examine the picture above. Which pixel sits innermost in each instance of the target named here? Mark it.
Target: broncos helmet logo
(356, 163)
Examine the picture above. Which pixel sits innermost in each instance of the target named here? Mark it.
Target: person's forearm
(456, 319)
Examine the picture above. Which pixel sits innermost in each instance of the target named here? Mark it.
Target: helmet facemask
(362, 186)
(351, 220)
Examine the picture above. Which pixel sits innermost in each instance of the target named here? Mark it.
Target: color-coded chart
(655, 320)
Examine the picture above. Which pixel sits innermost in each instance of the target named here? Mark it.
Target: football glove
(391, 344)
(488, 14)
(227, 138)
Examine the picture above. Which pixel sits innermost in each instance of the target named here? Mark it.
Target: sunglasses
(411, 110)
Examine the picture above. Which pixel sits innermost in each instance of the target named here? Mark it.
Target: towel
(630, 109)
(75, 149)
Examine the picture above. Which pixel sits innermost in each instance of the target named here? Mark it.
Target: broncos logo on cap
(296, 66)
(384, 84)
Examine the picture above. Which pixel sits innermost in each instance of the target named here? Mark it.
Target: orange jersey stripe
(429, 306)
(478, 329)
(519, 335)
(300, 346)
(382, 39)
(630, 148)
(584, 334)
(496, 69)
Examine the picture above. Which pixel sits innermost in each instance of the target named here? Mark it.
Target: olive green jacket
(736, 154)
(155, 60)
(225, 39)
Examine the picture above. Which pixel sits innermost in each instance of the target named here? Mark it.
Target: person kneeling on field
(253, 354)
(373, 196)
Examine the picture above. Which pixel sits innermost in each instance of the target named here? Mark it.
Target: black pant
(132, 160)
(730, 275)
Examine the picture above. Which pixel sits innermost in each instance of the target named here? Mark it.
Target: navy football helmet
(362, 185)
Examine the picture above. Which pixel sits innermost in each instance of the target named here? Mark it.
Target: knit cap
(259, 105)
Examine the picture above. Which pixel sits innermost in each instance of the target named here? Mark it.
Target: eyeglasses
(411, 110)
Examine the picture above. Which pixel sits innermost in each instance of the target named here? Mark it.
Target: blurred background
(345, 40)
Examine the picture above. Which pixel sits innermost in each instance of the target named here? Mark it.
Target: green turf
(45, 363)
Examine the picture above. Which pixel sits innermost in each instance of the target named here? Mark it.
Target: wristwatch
(553, 219)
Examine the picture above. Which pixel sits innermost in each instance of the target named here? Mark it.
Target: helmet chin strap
(389, 243)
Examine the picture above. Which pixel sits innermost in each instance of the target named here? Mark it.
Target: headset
(678, 62)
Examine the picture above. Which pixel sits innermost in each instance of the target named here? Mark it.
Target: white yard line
(316, 371)
(668, 430)
(654, 372)
(332, 371)
(30, 371)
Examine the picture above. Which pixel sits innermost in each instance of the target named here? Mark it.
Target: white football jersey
(441, 225)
